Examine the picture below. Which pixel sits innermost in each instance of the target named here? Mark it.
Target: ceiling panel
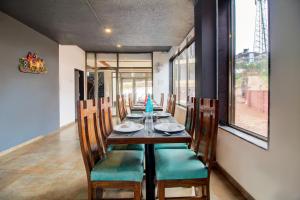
(138, 25)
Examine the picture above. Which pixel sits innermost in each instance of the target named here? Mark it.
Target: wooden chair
(105, 118)
(106, 127)
(124, 104)
(118, 169)
(130, 101)
(205, 106)
(121, 107)
(190, 120)
(190, 117)
(184, 167)
(171, 104)
(162, 100)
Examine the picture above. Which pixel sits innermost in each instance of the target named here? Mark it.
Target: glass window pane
(106, 60)
(251, 74)
(182, 78)
(127, 88)
(90, 59)
(90, 78)
(149, 86)
(191, 70)
(140, 89)
(175, 77)
(135, 60)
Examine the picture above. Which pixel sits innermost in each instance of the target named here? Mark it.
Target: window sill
(256, 141)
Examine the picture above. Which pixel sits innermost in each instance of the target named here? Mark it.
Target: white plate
(135, 115)
(169, 127)
(163, 114)
(128, 127)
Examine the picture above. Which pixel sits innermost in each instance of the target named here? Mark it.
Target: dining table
(142, 107)
(149, 139)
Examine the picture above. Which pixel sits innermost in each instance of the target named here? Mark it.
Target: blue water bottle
(149, 116)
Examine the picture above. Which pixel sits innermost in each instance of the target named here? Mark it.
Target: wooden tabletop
(140, 107)
(142, 137)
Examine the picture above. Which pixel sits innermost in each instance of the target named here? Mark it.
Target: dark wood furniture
(162, 98)
(171, 104)
(208, 124)
(121, 107)
(130, 101)
(92, 153)
(141, 108)
(105, 118)
(106, 126)
(190, 118)
(142, 137)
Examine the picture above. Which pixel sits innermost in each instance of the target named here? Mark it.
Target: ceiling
(138, 25)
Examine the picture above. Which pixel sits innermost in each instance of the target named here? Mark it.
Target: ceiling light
(119, 46)
(107, 30)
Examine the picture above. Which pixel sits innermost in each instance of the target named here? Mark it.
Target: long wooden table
(140, 108)
(142, 137)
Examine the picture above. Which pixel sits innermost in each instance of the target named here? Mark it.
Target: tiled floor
(52, 168)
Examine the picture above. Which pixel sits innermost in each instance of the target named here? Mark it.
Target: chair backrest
(171, 104)
(121, 107)
(124, 104)
(105, 118)
(90, 142)
(130, 100)
(190, 118)
(207, 130)
(162, 99)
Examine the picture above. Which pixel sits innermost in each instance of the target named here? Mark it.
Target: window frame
(231, 70)
(171, 61)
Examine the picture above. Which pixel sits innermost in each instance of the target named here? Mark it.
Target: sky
(245, 24)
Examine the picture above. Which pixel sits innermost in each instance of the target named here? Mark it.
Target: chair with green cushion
(114, 169)
(183, 167)
(119, 166)
(137, 147)
(189, 126)
(106, 127)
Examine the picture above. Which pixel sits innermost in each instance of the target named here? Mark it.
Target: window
(191, 70)
(249, 98)
(182, 78)
(184, 74)
(175, 76)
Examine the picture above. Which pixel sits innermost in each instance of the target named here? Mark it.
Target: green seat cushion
(137, 147)
(171, 146)
(175, 164)
(119, 166)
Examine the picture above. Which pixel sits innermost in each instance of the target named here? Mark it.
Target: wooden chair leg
(90, 191)
(99, 193)
(198, 191)
(138, 191)
(207, 191)
(161, 191)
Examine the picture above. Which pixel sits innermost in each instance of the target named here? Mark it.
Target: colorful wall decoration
(32, 64)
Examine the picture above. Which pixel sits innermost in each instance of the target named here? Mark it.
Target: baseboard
(2, 153)
(18, 146)
(233, 182)
(67, 125)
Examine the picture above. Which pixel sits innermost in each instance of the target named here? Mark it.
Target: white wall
(273, 174)
(161, 76)
(70, 57)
